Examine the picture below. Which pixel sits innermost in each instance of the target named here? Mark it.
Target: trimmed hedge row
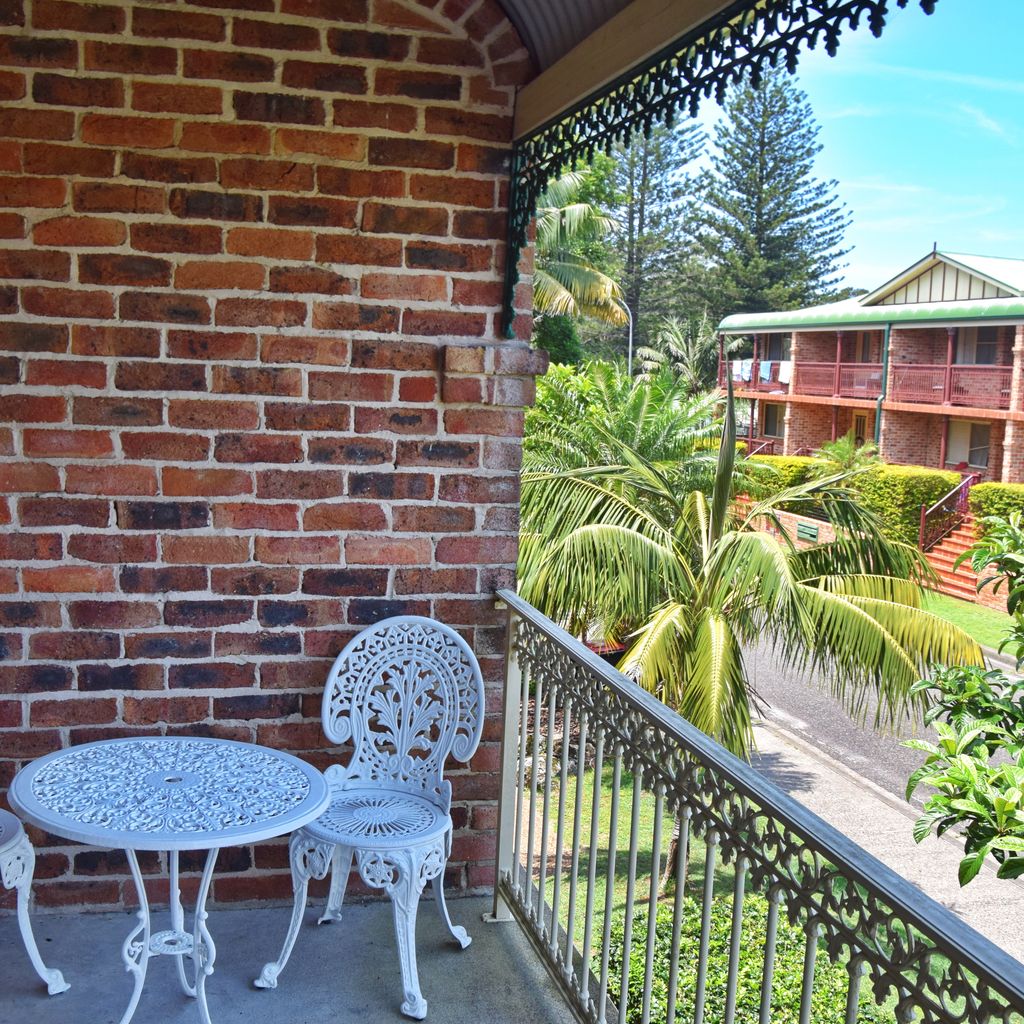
(894, 493)
(996, 500)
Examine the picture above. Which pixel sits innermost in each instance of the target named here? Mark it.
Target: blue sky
(924, 131)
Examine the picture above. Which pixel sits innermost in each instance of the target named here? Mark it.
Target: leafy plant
(994, 499)
(976, 766)
(895, 495)
(845, 455)
(831, 980)
(689, 348)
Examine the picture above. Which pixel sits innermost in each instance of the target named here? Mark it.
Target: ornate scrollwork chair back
(405, 694)
(402, 697)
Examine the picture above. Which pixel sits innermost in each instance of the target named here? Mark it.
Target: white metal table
(169, 793)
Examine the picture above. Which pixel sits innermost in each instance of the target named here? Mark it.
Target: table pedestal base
(198, 946)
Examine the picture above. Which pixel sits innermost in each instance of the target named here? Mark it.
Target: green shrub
(996, 500)
(790, 470)
(831, 980)
(557, 335)
(896, 493)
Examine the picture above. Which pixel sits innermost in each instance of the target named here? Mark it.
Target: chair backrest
(406, 693)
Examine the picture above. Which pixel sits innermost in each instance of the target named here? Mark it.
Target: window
(775, 347)
(968, 443)
(774, 420)
(977, 345)
(862, 346)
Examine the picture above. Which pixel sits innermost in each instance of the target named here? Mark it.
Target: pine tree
(772, 232)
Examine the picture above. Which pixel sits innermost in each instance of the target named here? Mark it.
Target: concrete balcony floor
(338, 973)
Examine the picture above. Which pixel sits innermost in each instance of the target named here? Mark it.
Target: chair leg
(309, 859)
(18, 866)
(457, 932)
(341, 865)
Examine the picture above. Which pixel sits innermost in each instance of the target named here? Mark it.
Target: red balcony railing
(747, 375)
(860, 380)
(815, 379)
(984, 386)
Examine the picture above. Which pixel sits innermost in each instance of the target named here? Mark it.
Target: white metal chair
(404, 694)
(17, 864)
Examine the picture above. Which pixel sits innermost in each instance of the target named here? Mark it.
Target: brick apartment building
(930, 366)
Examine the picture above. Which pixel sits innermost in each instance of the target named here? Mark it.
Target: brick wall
(911, 438)
(253, 397)
(807, 426)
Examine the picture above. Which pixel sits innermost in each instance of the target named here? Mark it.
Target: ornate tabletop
(168, 793)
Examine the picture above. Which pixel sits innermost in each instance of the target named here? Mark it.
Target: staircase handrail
(953, 505)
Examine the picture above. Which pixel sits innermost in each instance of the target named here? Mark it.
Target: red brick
(313, 211)
(302, 416)
(161, 710)
(80, 231)
(359, 387)
(211, 345)
(25, 337)
(225, 138)
(457, 191)
(99, 197)
(35, 265)
(163, 307)
(286, 175)
(12, 225)
(278, 108)
(28, 476)
(137, 132)
(10, 373)
(118, 412)
(102, 480)
(162, 515)
(343, 516)
(228, 66)
(421, 287)
(37, 124)
(120, 677)
(164, 97)
(205, 550)
(250, 448)
(178, 24)
(483, 159)
(56, 713)
(435, 581)
(355, 11)
(358, 251)
(395, 117)
(117, 268)
(34, 678)
(207, 613)
(345, 582)
(65, 373)
(476, 293)
(26, 547)
(246, 380)
(291, 349)
(160, 376)
(47, 158)
(417, 389)
(63, 512)
(309, 280)
(213, 415)
(378, 551)
(298, 550)
(255, 516)
(68, 579)
(257, 644)
(113, 614)
(468, 124)
(445, 256)
(174, 447)
(176, 238)
(11, 156)
(33, 192)
(405, 152)
(113, 550)
(196, 482)
(482, 224)
(67, 302)
(275, 242)
(391, 485)
(350, 316)
(210, 675)
(139, 580)
(38, 52)
(132, 59)
(32, 408)
(458, 53)
(433, 519)
(74, 91)
(477, 550)
(344, 181)
(211, 205)
(12, 85)
(161, 646)
(395, 355)
(319, 76)
(221, 275)
(87, 444)
(115, 341)
(446, 453)
(169, 169)
(480, 489)
(97, 18)
(299, 484)
(431, 322)
(419, 85)
(259, 313)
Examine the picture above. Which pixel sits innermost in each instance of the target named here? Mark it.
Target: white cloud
(984, 122)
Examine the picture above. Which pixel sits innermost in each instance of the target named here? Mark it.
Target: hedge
(896, 493)
(831, 980)
(996, 500)
(790, 469)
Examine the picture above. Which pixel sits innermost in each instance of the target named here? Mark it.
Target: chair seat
(378, 819)
(10, 829)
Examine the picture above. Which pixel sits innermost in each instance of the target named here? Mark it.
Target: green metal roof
(849, 313)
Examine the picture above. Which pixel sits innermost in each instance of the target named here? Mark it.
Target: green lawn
(988, 627)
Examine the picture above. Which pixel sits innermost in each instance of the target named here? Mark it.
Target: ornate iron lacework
(932, 977)
(744, 39)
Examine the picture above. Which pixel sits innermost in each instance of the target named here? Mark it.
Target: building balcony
(964, 385)
(771, 376)
(838, 380)
(639, 865)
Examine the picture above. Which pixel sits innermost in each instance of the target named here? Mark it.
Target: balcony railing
(848, 380)
(755, 375)
(597, 774)
(938, 384)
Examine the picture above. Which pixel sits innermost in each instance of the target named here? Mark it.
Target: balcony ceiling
(549, 30)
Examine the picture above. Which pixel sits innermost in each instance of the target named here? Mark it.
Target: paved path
(881, 823)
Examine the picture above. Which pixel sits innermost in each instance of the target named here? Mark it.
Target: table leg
(134, 952)
(204, 952)
(178, 920)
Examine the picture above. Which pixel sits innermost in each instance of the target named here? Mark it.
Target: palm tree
(689, 348)
(564, 281)
(627, 545)
(845, 455)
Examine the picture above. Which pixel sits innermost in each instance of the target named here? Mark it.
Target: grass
(986, 625)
